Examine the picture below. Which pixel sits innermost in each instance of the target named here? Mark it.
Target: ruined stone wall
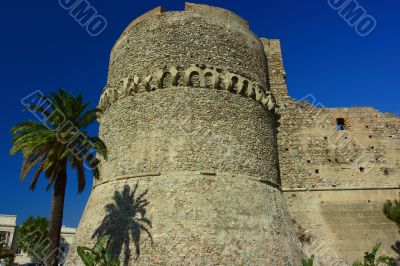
(336, 181)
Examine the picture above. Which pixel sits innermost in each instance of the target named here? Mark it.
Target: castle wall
(336, 181)
(192, 174)
(166, 135)
(343, 224)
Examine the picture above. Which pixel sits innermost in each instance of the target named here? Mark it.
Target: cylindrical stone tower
(192, 176)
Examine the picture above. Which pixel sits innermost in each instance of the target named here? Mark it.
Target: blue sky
(43, 47)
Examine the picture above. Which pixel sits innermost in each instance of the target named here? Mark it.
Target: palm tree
(48, 146)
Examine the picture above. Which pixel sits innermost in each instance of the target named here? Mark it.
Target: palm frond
(53, 176)
(37, 174)
(81, 176)
(93, 164)
(27, 125)
(30, 161)
(39, 109)
(89, 117)
(50, 144)
(26, 141)
(100, 146)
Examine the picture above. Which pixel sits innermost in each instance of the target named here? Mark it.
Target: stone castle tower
(199, 171)
(190, 122)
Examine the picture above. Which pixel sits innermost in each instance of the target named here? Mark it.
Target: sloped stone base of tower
(190, 219)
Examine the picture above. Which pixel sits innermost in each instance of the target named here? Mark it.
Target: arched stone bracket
(196, 76)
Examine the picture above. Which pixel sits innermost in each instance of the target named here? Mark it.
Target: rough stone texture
(192, 176)
(214, 38)
(336, 180)
(197, 219)
(194, 129)
(343, 224)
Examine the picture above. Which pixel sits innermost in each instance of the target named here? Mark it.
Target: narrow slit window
(340, 124)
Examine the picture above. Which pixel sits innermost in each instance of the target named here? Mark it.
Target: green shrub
(392, 210)
(98, 255)
(308, 262)
(33, 238)
(370, 258)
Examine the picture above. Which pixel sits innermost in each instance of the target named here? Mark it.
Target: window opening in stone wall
(340, 124)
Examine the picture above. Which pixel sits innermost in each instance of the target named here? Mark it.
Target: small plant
(370, 258)
(308, 262)
(392, 210)
(98, 255)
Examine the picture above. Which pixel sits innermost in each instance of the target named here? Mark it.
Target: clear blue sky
(43, 47)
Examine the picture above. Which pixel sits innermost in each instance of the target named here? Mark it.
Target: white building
(8, 235)
(8, 224)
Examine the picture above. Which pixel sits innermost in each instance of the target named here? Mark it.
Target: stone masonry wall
(336, 181)
(192, 174)
(194, 177)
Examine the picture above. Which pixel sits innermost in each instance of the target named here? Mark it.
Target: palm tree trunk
(56, 217)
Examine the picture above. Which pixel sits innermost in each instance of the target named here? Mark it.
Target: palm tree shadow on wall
(125, 221)
(396, 248)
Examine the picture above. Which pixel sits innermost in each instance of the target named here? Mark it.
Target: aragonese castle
(211, 162)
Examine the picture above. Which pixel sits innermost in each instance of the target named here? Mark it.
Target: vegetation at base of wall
(392, 210)
(308, 262)
(33, 237)
(371, 258)
(98, 255)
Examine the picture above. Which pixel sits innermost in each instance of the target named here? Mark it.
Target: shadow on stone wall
(125, 221)
(396, 248)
